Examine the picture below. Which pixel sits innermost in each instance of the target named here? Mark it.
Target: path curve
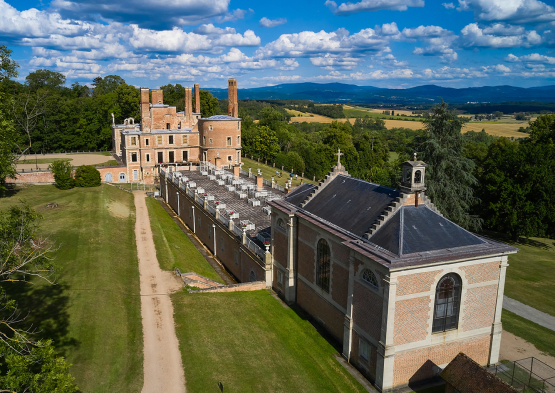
(163, 369)
(530, 313)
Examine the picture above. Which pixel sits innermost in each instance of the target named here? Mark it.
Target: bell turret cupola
(414, 174)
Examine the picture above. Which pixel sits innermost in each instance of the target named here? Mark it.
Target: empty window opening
(210, 141)
(171, 157)
(147, 142)
(167, 126)
(170, 140)
(147, 157)
(229, 141)
(230, 158)
(185, 156)
(238, 140)
(210, 127)
(160, 156)
(133, 157)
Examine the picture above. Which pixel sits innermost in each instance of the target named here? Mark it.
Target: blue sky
(384, 43)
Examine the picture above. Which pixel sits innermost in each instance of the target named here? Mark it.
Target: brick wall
(416, 283)
(33, 177)
(411, 320)
(316, 306)
(482, 272)
(366, 366)
(339, 284)
(306, 260)
(307, 234)
(417, 364)
(479, 307)
(280, 248)
(221, 130)
(367, 310)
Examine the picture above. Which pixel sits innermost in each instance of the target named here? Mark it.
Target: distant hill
(427, 94)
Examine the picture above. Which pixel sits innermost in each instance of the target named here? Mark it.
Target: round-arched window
(252, 276)
(418, 177)
(408, 176)
(369, 277)
(447, 303)
(281, 224)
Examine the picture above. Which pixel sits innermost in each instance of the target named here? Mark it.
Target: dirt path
(76, 159)
(163, 369)
(515, 348)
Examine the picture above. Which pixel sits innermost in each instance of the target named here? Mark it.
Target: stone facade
(165, 137)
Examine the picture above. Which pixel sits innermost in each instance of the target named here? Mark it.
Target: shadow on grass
(11, 191)
(45, 307)
(505, 238)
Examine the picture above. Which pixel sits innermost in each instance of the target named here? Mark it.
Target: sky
(383, 43)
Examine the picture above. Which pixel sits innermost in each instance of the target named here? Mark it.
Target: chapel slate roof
(419, 229)
(351, 204)
(299, 194)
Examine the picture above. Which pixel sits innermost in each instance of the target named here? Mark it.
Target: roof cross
(339, 154)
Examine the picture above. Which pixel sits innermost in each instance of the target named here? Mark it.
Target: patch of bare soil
(516, 348)
(118, 209)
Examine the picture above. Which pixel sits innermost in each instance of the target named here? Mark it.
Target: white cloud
(157, 14)
(265, 22)
(35, 23)
(425, 32)
(210, 29)
(176, 40)
(473, 36)
(439, 46)
(502, 29)
(514, 11)
(332, 61)
(533, 57)
(233, 16)
(372, 5)
(448, 5)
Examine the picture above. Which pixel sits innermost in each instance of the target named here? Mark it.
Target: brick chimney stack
(233, 108)
(188, 105)
(197, 98)
(157, 97)
(259, 183)
(145, 109)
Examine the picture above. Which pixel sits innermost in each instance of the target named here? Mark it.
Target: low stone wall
(32, 178)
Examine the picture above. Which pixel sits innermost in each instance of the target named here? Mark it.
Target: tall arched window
(323, 265)
(418, 177)
(447, 304)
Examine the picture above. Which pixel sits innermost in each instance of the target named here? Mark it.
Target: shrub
(62, 174)
(87, 176)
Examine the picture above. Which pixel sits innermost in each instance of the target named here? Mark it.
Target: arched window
(369, 277)
(323, 265)
(281, 224)
(252, 276)
(418, 177)
(408, 176)
(447, 304)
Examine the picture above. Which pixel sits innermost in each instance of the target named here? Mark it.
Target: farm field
(378, 111)
(93, 313)
(173, 247)
(257, 344)
(493, 128)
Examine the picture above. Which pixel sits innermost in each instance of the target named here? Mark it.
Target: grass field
(542, 338)
(173, 247)
(268, 171)
(530, 274)
(250, 343)
(108, 163)
(93, 312)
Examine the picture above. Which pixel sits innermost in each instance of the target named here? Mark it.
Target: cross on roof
(339, 154)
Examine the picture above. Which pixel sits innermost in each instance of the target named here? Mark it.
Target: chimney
(233, 108)
(197, 98)
(259, 183)
(145, 109)
(188, 105)
(154, 97)
(236, 171)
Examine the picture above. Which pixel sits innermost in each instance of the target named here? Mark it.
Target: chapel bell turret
(414, 173)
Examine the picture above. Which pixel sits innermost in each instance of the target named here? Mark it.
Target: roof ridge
(332, 175)
(387, 213)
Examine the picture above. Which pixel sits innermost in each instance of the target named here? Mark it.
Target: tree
(45, 79)
(450, 174)
(106, 85)
(8, 67)
(62, 174)
(265, 143)
(26, 365)
(8, 149)
(517, 188)
(208, 103)
(542, 130)
(128, 98)
(87, 176)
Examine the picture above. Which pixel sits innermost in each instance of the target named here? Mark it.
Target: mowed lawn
(93, 312)
(268, 171)
(530, 274)
(173, 247)
(250, 343)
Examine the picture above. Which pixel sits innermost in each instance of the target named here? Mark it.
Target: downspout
(194, 226)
